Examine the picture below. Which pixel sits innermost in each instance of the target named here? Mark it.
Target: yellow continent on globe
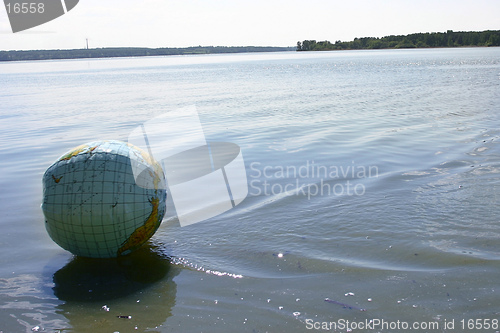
(143, 233)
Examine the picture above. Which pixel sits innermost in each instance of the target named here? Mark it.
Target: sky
(181, 23)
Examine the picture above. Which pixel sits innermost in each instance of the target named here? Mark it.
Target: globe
(103, 199)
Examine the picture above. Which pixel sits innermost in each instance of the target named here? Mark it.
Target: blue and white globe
(96, 205)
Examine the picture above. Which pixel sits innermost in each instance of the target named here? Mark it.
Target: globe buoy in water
(96, 205)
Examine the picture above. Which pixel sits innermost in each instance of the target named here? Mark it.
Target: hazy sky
(178, 23)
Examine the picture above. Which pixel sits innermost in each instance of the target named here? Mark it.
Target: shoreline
(448, 39)
(123, 52)
(404, 48)
(278, 49)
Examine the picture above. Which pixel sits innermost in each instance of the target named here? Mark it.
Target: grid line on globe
(93, 204)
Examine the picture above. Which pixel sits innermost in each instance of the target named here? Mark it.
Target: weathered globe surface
(96, 203)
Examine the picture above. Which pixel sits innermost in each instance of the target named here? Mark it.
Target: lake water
(374, 184)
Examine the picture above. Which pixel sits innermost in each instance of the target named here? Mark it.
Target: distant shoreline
(449, 38)
(113, 52)
(446, 39)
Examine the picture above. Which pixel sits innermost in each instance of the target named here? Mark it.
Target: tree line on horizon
(109, 52)
(416, 40)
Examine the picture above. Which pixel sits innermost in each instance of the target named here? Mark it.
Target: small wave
(268, 200)
(188, 264)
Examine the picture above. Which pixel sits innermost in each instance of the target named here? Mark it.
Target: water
(374, 181)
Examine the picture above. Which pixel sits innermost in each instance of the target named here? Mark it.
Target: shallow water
(374, 181)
